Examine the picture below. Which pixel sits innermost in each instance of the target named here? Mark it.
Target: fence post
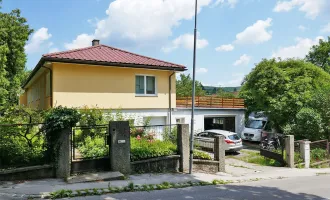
(63, 155)
(183, 147)
(219, 152)
(305, 152)
(120, 146)
(289, 149)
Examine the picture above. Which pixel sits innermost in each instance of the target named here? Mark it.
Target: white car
(206, 138)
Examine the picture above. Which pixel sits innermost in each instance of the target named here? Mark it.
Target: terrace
(210, 102)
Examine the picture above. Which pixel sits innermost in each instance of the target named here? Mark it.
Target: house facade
(109, 78)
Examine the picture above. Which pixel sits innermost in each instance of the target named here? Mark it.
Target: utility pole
(193, 97)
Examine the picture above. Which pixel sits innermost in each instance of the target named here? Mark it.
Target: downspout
(50, 84)
(170, 97)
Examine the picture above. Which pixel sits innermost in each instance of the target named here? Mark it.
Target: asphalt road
(303, 188)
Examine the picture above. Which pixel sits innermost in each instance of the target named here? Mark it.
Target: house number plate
(121, 141)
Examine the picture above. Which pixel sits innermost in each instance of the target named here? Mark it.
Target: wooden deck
(210, 102)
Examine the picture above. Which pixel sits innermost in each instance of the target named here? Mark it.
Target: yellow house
(104, 77)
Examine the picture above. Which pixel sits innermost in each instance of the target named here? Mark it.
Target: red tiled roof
(103, 53)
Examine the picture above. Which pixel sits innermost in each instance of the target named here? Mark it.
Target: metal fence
(272, 146)
(89, 142)
(155, 132)
(23, 145)
(319, 150)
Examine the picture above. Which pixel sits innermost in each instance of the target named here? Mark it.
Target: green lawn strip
(256, 158)
(131, 188)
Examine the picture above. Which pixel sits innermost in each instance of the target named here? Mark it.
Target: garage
(221, 123)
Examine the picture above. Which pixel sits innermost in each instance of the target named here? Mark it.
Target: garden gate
(89, 149)
(272, 146)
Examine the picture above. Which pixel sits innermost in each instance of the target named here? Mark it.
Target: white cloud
(82, 40)
(298, 50)
(201, 70)
(243, 60)
(186, 41)
(255, 34)
(141, 21)
(302, 28)
(52, 50)
(326, 28)
(37, 40)
(312, 8)
(225, 47)
(230, 3)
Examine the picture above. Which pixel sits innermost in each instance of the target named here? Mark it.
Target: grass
(131, 188)
(256, 158)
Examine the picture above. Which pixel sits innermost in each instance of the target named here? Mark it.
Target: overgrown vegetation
(21, 145)
(290, 92)
(256, 158)
(201, 155)
(144, 148)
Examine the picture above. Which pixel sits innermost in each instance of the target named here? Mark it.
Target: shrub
(142, 149)
(93, 147)
(202, 155)
(21, 145)
(318, 155)
(170, 134)
(90, 117)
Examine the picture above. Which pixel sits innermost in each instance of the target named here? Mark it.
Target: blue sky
(234, 35)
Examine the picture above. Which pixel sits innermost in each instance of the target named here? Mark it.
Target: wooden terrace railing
(210, 102)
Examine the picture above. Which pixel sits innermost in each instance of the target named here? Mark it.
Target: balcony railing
(210, 102)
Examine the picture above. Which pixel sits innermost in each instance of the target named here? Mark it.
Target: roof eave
(128, 65)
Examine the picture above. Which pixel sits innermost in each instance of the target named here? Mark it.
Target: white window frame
(145, 86)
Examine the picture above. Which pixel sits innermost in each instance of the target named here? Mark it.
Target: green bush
(170, 134)
(318, 155)
(201, 155)
(21, 145)
(93, 147)
(143, 149)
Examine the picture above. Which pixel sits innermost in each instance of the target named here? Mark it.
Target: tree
(222, 93)
(319, 55)
(184, 87)
(282, 88)
(14, 33)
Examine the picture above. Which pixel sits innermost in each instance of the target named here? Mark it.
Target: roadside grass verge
(255, 158)
(131, 187)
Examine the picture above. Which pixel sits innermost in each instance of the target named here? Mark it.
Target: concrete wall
(200, 113)
(156, 165)
(77, 85)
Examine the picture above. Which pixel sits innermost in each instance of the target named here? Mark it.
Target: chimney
(95, 42)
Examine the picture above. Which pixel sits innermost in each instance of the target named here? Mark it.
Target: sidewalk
(39, 187)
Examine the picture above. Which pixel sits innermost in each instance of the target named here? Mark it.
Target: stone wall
(206, 166)
(160, 164)
(27, 173)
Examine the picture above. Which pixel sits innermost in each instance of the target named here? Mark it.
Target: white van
(253, 128)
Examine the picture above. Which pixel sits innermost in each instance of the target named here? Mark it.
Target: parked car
(254, 127)
(233, 141)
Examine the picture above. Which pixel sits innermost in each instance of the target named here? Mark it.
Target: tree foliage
(184, 87)
(14, 33)
(282, 89)
(222, 93)
(319, 55)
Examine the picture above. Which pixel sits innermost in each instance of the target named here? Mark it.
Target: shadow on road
(226, 192)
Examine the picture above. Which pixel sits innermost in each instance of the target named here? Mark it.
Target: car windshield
(255, 124)
(233, 137)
